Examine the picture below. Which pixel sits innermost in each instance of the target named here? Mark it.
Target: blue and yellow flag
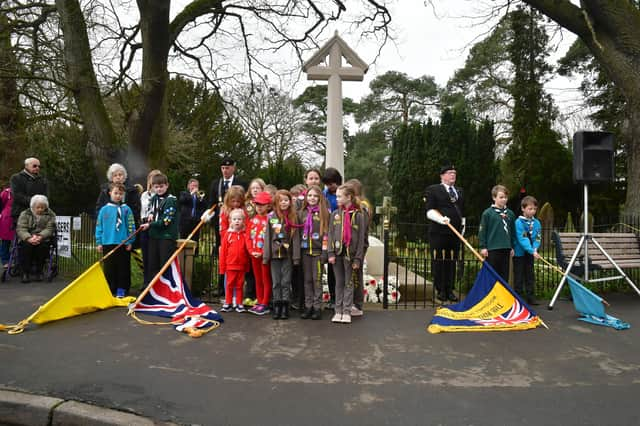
(491, 305)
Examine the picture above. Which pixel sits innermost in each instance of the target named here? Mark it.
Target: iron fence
(204, 281)
(407, 261)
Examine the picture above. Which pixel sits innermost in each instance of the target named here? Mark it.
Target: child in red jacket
(234, 259)
(255, 245)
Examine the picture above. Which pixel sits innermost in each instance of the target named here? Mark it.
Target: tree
(397, 98)
(271, 124)
(367, 160)
(482, 84)
(611, 31)
(312, 106)
(11, 116)
(201, 35)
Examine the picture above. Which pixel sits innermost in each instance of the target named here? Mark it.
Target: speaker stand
(584, 242)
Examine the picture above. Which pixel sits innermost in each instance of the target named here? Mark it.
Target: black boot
(285, 311)
(277, 310)
(307, 313)
(317, 314)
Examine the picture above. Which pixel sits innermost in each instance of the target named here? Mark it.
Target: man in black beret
(444, 204)
(217, 191)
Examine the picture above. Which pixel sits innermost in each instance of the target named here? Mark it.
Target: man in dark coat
(192, 204)
(217, 191)
(25, 185)
(444, 204)
(219, 187)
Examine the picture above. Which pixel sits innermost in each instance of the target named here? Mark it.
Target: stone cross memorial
(328, 64)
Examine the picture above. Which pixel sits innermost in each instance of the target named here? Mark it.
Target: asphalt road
(382, 369)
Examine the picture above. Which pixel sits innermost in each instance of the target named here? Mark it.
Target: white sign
(63, 226)
(77, 223)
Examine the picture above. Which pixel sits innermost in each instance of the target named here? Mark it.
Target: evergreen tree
(535, 159)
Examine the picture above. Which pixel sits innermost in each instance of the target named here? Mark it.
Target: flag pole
(478, 255)
(169, 261)
(558, 269)
(459, 235)
(119, 245)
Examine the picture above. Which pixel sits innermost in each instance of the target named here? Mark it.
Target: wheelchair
(50, 270)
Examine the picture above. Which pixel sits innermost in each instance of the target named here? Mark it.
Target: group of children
(116, 228)
(503, 236)
(265, 232)
(271, 233)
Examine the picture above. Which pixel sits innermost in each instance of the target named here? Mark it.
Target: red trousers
(262, 274)
(235, 281)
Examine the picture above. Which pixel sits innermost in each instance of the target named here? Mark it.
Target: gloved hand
(206, 216)
(435, 216)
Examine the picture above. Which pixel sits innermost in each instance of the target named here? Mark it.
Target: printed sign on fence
(63, 227)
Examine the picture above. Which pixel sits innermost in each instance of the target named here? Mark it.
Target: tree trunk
(148, 126)
(11, 126)
(101, 138)
(631, 136)
(611, 30)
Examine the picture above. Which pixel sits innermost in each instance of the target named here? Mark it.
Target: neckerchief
(346, 224)
(503, 215)
(118, 215)
(308, 223)
(288, 225)
(157, 206)
(530, 231)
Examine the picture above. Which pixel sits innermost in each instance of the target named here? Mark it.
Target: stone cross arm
(319, 72)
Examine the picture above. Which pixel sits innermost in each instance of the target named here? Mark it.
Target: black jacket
(436, 197)
(24, 186)
(216, 195)
(185, 201)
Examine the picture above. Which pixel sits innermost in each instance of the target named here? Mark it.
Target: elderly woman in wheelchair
(35, 230)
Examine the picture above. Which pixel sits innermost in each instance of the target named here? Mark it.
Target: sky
(435, 41)
(427, 43)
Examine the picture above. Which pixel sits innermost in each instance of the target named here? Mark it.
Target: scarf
(308, 224)
(346, 225)
(503, 215)
(118, 215)
(288, 225)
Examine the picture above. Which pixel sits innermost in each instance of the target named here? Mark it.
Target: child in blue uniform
(115, 223)
(526, 249)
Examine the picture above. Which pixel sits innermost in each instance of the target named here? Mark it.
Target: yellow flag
(87, 293)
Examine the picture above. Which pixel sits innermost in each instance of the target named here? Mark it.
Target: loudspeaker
(593, 157)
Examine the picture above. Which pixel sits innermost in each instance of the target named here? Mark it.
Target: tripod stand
(584, 243)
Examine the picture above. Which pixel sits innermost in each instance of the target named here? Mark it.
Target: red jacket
(256, 233)
(233, 252)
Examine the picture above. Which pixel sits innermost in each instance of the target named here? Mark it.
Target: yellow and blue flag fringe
(491, 305)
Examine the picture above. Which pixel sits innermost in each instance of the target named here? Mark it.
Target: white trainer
(337, 318)
(346, 319)
(355, 312)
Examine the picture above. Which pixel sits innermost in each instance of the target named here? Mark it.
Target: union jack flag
(170, 298)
